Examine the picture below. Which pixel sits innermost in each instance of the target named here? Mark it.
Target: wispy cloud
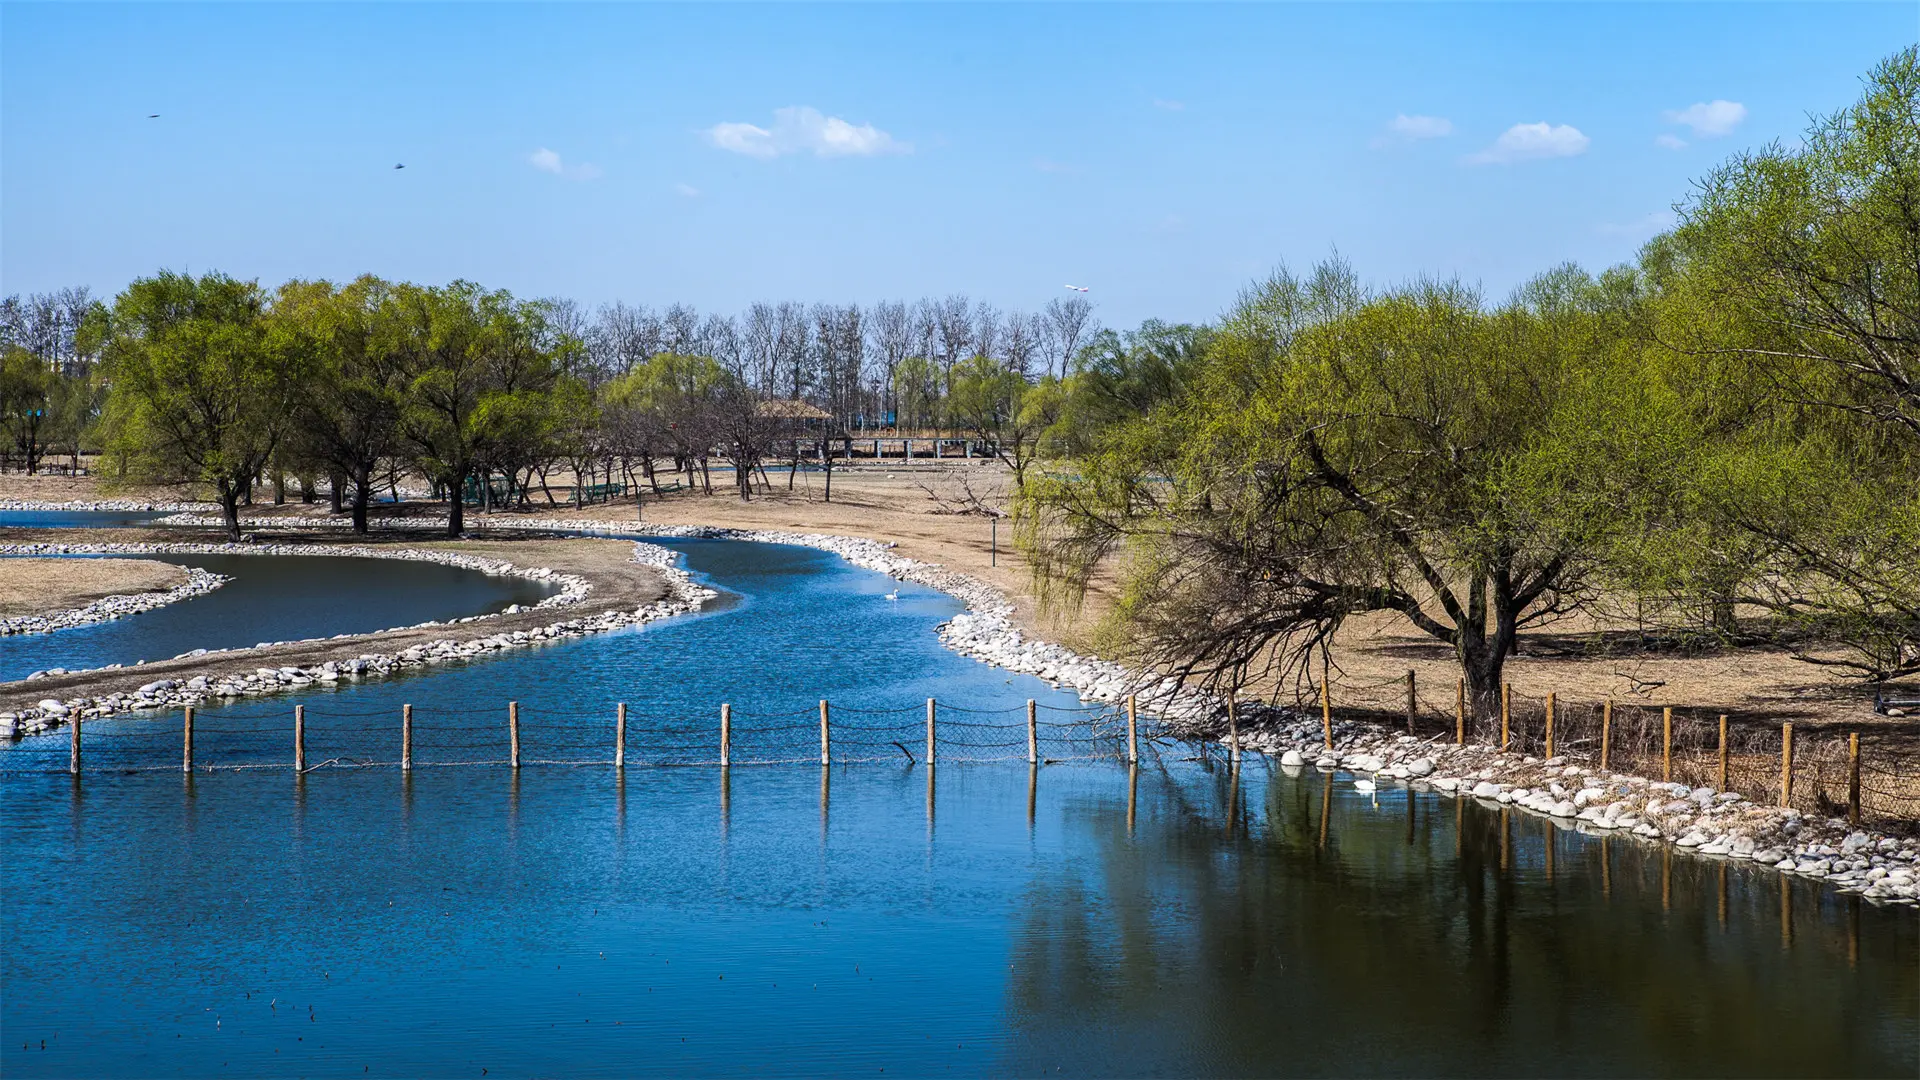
(548, 161)
(687, 191)
(1709, 119)
(1166, 105)
(799, 129)
(1406, 129)
(1641, 227)
(1668, 141)
(1532, 142)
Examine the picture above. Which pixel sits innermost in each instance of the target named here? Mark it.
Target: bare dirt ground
(44, 586)
(932, 511)
(618, 584)
(56, 488)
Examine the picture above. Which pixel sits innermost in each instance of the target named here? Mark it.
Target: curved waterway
(272, 598)
(1076, 919)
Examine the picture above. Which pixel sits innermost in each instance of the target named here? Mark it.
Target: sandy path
(44, 586)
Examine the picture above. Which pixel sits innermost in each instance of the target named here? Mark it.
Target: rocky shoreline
(683, 596)
(131, 506)
(199, 582)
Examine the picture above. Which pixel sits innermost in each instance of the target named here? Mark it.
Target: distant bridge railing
(308, 739)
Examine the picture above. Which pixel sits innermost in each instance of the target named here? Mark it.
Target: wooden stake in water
(930, 744)
(1606, 733)
(406, 738)
(1460, 712)
(513, 730)
(1723, 752)
(186, 750)
(1326, 716)
(1412, 701)
(1033, 733)
(726, 735)
(1233, 729)
(1853, 779)
(1786, 764)
(1666, 744)
(1550, 698)
(826, 753)
(299, 738)
(73, 747)
(1133, 731)
(620, 737)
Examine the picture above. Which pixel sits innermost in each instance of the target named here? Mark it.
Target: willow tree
(1338, 453)
(203, 384)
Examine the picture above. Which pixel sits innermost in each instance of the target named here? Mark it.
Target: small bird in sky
(1078, 288)
(399, 166)
(153, 116)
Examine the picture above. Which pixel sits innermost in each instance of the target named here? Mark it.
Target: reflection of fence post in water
(1033, 740)
(300, 739)
(186, 750)
(1606, 734)
(1786, 764)
(1133, 794)
(1326, 803)
(1033, 793)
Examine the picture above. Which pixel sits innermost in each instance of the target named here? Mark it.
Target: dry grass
(44, 586)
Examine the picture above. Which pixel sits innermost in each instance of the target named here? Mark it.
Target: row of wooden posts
(620, 736)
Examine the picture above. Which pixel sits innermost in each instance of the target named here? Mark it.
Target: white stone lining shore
(1882, 869)
(131, 506)
(199, 582)
(683, 596)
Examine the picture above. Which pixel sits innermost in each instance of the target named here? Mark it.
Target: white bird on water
(1363, 784)
(894, 595)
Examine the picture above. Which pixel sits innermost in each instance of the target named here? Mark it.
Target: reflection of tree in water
(1404, 945)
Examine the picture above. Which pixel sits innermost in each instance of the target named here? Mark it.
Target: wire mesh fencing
(1866, 774)
(515, 734)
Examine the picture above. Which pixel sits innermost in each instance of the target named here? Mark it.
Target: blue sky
(717, 155)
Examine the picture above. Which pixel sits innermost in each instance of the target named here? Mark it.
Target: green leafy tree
(203, 384)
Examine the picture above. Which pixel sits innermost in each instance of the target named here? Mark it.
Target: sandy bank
(46, 586)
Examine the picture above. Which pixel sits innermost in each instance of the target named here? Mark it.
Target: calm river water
(272, 598)
(1078, 919)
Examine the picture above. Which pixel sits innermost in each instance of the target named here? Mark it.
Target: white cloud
(1164, 105)
(801, 129)
(1669, 142)
(1640, 228)
(549, 162)
(1421, 127)
(1709, 119)
(687, 190)
(1529, 142)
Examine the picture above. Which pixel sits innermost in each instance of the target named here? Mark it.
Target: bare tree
(889, 341)
(987, 330)
(1025, 336)
(1068, 322)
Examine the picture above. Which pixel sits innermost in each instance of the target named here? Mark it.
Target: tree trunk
(362, 492)
(230, 508)
(336, 481)
(456, 504)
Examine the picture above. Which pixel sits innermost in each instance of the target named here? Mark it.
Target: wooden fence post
(1506, 715)
(620, 737)
(930, 743)
(1666, 744)
(1033, 734)
(1460, 712)
(1786, 764)
(1723, 752)
(1550, 698)
(513, 730)
(1326, 715)
(1233, 729)
(186, 750)
(1413, 702)
(299, 738)
(1606, 733)
(726, 734)
(1133, 731)
(1853, 779)
(826, 752)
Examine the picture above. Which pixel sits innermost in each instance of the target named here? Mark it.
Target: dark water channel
(272, 598)
(1077, 919)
